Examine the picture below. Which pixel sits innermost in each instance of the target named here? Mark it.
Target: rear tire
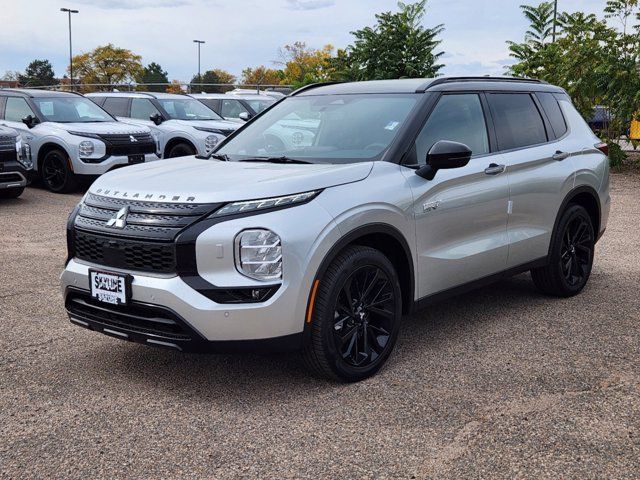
(13, 192)
(181, 150)
(356, 316)
(571, 255)
(55, 173)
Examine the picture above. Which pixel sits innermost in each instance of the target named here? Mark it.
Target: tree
(174, 87)
(397, 46)
(39, 73)
(215, 76)
(10, 76)
(153, 73)
(107, 65)
(304, 65)
(261, 76)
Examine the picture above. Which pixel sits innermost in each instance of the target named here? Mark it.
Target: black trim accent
(372, 228)
(475, 284)
(567, 200)
(160, 327)
(442, 80)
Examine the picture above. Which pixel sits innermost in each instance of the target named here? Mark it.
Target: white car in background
(290, 133)
(70, 137)
(184, 126)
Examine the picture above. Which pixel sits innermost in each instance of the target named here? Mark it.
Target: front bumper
(14, 175)
(203, 324)
(114, 161)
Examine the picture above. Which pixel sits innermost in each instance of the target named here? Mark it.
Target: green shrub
(616, 155)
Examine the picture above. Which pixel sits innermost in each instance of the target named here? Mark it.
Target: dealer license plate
(107, 287)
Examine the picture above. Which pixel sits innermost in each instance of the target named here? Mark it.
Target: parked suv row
(16, 166)
(408, 192)
(70, 137)
(183, 125)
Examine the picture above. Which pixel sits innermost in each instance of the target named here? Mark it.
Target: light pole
(199, 42)
(555, 17)
(70, 11)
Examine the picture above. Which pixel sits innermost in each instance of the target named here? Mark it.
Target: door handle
(560, 155)
(494, 169)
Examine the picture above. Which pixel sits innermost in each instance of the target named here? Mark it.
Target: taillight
(603, 147)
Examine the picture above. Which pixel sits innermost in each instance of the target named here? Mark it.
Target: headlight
(210, 142)
(258, 254)
(86, 148)
(250, 205)
(24, 154)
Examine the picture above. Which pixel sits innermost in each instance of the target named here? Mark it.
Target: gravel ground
(498, 383)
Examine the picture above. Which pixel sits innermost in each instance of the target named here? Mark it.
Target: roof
(34, 92)
(159, 95)
(422, 85)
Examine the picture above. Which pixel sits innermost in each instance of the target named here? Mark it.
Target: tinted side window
(232, 108)
(17, 109)
(458, 118)
(117, 106)
(142, 109)
(554, 114)
(517, 120)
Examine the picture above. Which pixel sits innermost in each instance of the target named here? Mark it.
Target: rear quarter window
(517, 120)
(554, 113)
(117, 106)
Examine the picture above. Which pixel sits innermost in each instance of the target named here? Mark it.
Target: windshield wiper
(217, 156)
(281, 159)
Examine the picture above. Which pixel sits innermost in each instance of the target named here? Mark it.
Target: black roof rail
(439, 81)
(312, 86)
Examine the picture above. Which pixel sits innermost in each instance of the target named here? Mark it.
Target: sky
(243, 33)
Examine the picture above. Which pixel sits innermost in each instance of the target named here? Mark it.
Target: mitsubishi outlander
(411, 191)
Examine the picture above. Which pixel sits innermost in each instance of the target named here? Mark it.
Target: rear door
(531, 139)
(461, 215)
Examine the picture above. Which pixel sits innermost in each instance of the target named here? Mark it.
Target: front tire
(356, 316)
(571, 255)
(13, 192)
(56, 175)
(181, 150)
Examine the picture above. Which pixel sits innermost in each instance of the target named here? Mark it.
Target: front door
(460, 215)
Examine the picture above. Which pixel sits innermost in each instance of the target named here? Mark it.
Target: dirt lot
(499, 383)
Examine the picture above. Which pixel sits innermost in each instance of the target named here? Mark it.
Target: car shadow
(254, 378)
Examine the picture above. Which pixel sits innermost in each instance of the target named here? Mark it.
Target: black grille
(146, 243)
(10, 177)
(8, 151)
(126, 254)
(152, 322)
(122, 144)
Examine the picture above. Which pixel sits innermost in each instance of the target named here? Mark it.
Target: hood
(220, 124)
(211, 181)
(99, 127)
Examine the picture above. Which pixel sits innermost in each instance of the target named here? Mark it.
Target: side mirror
(156, 118)
(444, 154)
(244, 116)
(30, 121)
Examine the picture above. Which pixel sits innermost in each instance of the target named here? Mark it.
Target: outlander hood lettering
(120, 219)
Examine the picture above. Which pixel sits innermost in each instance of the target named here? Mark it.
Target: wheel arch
(175, 141)
(388, 240)
(45, 149)
(586, 197)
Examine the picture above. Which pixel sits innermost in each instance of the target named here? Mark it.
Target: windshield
(324, 129)
(260, 104)
(71, 110)
(187, 109)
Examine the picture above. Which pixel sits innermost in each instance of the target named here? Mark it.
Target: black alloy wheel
(363, 316)
(56, 174)
(570, 256)
(355, 316)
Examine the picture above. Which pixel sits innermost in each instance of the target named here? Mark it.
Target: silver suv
(184, 126)
(412, 190)
(16, 166)
(71, 138)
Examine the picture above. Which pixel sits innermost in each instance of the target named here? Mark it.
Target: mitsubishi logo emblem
(120, 219)
(132, 138)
